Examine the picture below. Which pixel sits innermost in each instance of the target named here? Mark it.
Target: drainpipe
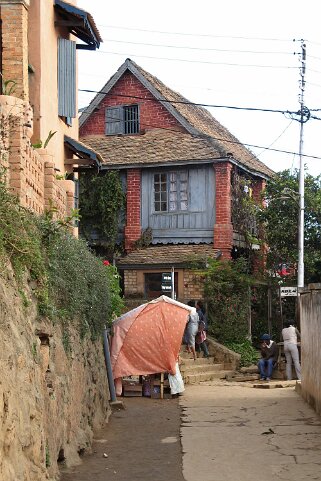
(108, 368)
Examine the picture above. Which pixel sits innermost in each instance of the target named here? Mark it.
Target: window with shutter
(122, 119)
(66, 78)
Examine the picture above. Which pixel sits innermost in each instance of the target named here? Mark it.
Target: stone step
(199, 368)
(206, 376)
(198, 361)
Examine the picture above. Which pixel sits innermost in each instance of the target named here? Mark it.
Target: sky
(232, 54)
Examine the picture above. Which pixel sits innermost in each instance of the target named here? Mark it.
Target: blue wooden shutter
(66, 78)
(114, 120)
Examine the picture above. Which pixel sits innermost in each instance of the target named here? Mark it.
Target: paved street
(229, 432)
(237, 433)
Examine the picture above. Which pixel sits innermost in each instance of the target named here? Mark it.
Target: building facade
(38, 106)
(177, 164)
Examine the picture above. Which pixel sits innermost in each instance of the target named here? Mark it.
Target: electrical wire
(198, 61)
(186, 102)
(194, 35)
(198, 48)
(274, 141)
(237, 142)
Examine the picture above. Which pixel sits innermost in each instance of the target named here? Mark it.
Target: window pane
(172, 206)
(173, 196)
(156, 177)
(164, 196)
(157, 196)
(163, 177)
(184, 205)
(164, 206)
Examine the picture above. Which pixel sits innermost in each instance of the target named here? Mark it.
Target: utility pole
(304, 116)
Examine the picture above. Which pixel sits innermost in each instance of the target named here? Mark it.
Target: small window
(171, 191)
(122, 120)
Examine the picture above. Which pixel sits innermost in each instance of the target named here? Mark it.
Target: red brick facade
(133, 225)
(151, 112)
(223, 229)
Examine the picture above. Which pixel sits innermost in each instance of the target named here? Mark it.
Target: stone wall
(50, 402)
(310, 308)
(30, 172)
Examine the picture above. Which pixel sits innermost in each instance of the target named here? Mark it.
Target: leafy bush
(227, 292)
(73, 285)
(249, 355)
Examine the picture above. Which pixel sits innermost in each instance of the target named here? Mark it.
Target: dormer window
(122, 119)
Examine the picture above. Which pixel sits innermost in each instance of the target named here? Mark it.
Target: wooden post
(162, 386)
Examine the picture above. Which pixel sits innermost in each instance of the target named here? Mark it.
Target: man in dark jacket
(269, 353)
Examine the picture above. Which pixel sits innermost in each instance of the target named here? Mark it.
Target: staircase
(202, 369)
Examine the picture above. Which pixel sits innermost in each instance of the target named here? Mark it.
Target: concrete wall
(310, 305)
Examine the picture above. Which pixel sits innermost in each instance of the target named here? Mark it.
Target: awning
(86, 156)
(79, 23)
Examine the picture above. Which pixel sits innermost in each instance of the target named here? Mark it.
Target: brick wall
(193, 285)
(14, 18)
(223, 229)
(133, 223)
(130, 282)
(152, 113)
(30, 172)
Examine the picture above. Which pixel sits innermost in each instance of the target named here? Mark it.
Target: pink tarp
(147, 339)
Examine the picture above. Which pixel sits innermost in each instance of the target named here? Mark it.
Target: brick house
(38, 55)
(177, 164)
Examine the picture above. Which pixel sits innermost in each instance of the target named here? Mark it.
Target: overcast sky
(231, 53)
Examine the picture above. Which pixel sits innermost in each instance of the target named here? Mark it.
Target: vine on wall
(101, 203)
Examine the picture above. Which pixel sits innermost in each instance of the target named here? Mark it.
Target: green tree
(280, 220)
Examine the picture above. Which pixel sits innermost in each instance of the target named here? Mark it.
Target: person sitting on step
(269, 353)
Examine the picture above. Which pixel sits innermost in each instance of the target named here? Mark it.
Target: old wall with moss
(50, 401)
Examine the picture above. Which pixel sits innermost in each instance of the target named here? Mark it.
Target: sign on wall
(288, 291)
(167, 282)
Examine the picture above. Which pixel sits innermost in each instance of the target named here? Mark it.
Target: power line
(186, 102)
(237, 142)
(195, 35)
(197, 61)
(274, 141)
(199, 48)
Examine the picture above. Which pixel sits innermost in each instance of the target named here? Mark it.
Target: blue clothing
(266, 367)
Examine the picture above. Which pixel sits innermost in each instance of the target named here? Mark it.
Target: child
(201, 338)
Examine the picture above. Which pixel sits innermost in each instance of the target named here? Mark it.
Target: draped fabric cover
(147, 339)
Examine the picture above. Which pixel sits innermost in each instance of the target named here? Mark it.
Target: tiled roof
(169, 255)
(211, 136)
(154, 147)
(201, 119)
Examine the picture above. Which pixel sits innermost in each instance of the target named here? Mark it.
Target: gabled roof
(197, 121)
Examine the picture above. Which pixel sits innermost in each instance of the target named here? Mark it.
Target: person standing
(269, 353)
(191, 330)
(290, 337)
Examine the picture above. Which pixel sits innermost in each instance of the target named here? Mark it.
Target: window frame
(178, 191)
(121, 124)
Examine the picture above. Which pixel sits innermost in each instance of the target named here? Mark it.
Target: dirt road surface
(142, 442)
(226, 432)
(248, 434)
